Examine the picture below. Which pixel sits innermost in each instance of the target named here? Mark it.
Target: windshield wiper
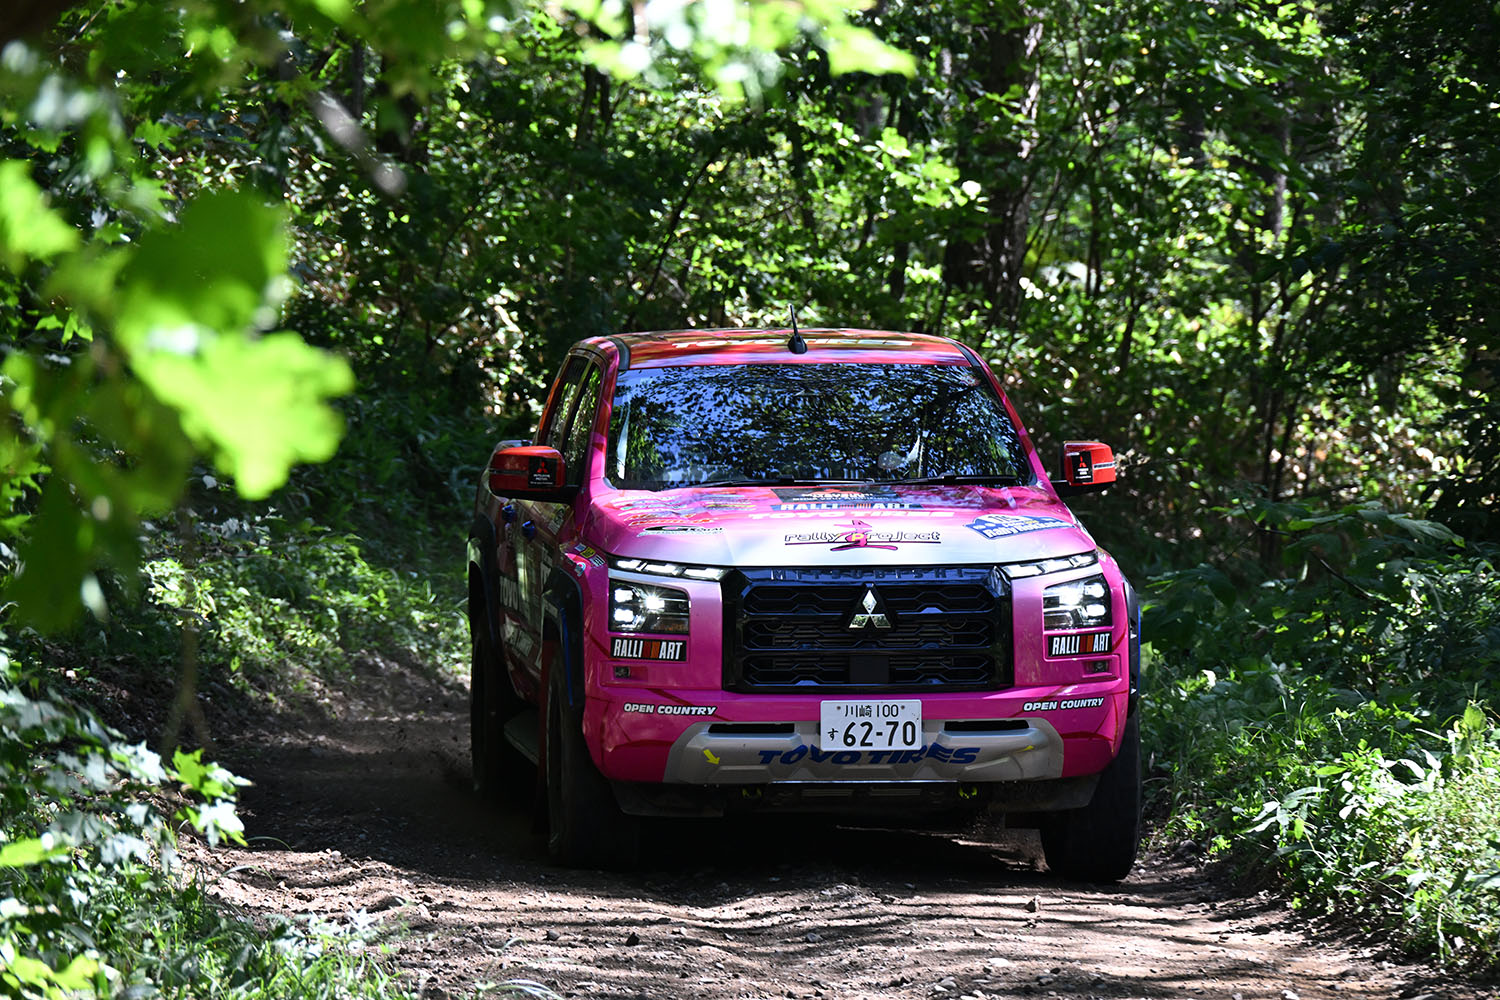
(955, 479)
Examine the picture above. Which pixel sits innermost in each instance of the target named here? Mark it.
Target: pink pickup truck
(821, 571)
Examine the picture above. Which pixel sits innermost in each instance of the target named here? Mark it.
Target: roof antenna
(796, 344)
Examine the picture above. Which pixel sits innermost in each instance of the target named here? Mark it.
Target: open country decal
(653, 708)
(1061, 704)
(861, 535)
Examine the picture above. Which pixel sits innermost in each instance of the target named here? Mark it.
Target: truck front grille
(867, 629)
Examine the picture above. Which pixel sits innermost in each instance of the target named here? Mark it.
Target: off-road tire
(1098, 843)
(499, 769)
(585, 827)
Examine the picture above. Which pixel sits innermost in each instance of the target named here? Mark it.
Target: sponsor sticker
(622, 648)
(861, 535)
(932, 751)
(1083, 467)
(539, 472)
(590, 553)
(652, 708)
(836, 498)
(840, 512)
(844, 505)
(648, 518)
(680, 529)
(1077, 645)
(1002, 525)
(637, 503)
(1061, 704)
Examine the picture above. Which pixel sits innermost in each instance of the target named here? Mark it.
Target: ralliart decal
(622, 648)
(1078, 645)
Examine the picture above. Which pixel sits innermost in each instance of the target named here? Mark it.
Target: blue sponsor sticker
(1002, 525)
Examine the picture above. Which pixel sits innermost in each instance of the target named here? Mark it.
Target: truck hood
(835, 525)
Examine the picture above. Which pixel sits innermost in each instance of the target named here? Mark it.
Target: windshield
(684, 426)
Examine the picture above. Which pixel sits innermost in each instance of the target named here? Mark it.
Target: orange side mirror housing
(528, 472)
(1087, 467)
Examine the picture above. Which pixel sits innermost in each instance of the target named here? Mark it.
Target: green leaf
(213, 272)
(55, 561)
(29, 228)
(192, 296)
(77, 974)
(852, 49)
(32, 851)
(258, 403)
(191, 770)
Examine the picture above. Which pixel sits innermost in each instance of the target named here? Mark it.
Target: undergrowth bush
(283, 611)
(279, 600)
(92, 899)
(1330, 721)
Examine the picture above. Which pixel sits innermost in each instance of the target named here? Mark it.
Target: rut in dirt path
(372, 812)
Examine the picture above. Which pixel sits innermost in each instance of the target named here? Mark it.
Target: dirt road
(372, 812)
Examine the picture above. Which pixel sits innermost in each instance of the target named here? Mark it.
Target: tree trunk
(1004, 61)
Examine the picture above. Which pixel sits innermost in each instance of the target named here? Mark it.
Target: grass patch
(1331, 724)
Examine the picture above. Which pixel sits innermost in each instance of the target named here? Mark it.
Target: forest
(277, 274)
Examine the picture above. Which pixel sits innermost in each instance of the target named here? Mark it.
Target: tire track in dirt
(371, 812)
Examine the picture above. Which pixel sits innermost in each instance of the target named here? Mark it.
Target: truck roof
(661, 348)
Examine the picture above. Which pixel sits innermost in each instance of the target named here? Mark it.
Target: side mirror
(1087, 467)
(528, 472)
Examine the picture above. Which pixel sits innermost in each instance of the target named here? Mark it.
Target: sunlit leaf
(29, 228)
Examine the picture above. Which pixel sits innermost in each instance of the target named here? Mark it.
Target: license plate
(870, 725)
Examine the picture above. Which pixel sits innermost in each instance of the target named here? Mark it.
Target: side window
(555, 420)
(580, 431)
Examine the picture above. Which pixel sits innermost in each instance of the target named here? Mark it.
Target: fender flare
(1133, 612)
(562, 610)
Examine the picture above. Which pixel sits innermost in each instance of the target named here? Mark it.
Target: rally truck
(776, 570)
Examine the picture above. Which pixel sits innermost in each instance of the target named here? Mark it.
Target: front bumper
(722, 738)
(710, 753)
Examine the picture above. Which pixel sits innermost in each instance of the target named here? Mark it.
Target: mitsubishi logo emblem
(870, 616)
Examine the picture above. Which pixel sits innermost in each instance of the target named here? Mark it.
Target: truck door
(539, 549)
(517, 556)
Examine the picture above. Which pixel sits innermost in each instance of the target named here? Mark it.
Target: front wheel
(498, 768)
(1098, 843)
(585, 827)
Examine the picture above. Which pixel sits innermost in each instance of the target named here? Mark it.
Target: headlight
(1077, 604)
(1041, 567)
(641, 607)
(670, 569)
